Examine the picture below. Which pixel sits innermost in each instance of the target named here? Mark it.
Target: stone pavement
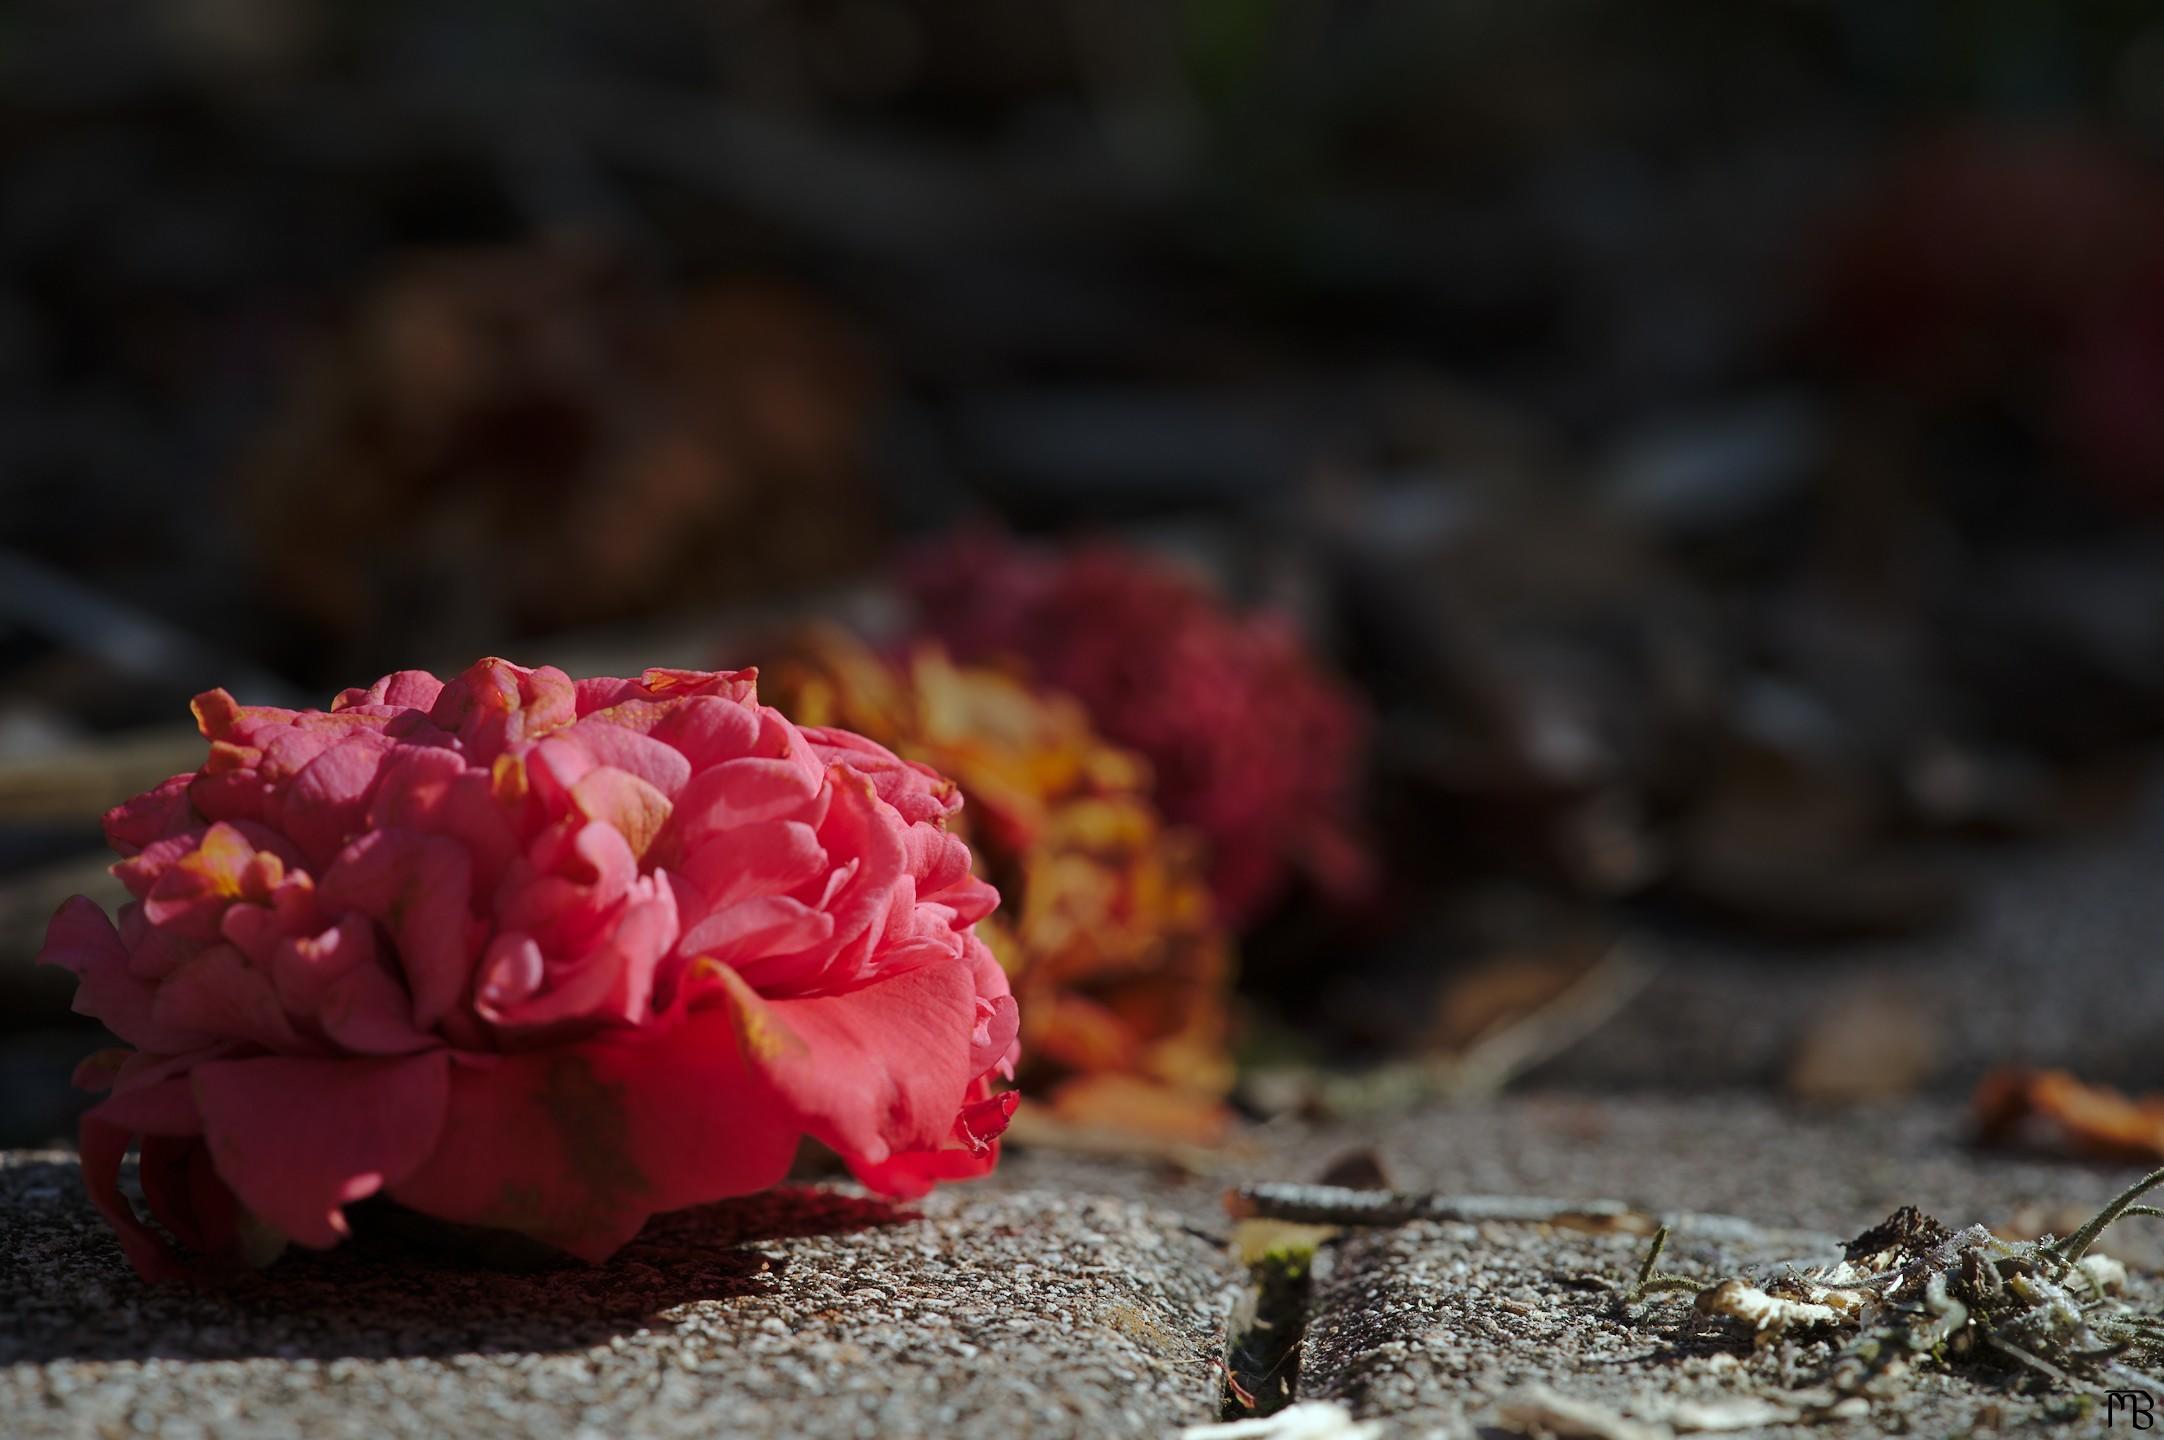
(806, 1313)
(1067, 1297)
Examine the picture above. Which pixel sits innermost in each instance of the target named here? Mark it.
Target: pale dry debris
(1550, 1415)
(1909, 1291)
(1751, 1412)
(1770, 1317)
(1307, 1420)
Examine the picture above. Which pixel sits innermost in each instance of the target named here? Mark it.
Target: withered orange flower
(1109, 933)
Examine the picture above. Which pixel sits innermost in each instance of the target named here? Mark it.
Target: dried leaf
(1873, 1040)
(2051, 1110)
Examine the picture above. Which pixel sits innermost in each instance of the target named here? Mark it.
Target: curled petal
(297, 1140)
(873, 1071)
(151, 816)
(219, 994)
(182, 1186)
(972, 1149)
(619, 747)
(627, 804)
(82, 940)
(736, 793)
(401, 690)
(918, 792)
(767, 857)
(327, 800)
(707, 730)
(432, 789)
(739, 687)
(612, 981)
(496, 704)
(103, 1147)
(418, 887)
(744, 934)
(576, 1146)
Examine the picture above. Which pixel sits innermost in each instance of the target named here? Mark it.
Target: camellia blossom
(1252, 742)
(1110, 934)
(532, 953)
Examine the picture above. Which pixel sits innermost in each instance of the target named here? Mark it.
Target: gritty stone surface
(1741, 1153)
(2052, 962)
(1447, 1329)
(809, 1312)
(1441, 1328)
(1065, 1296)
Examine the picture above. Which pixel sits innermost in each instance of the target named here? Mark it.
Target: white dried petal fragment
(1537, 1410)
(1308, 1420)
(1769, 1315)
(2107, 1274)
(1750, 1412)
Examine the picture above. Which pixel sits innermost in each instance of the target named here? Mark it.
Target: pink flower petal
(103, 1147)
(707, 730)
(151, 816)
(602, 692)
(568, 890)
(219, 994)
(627, 804)
(495, 704)
(972, 1150)
(303, 967)
(190, 895)
(998, 1023)
(739, 687)
(918, 792)
(875, 1070)
(327, 801)
(741, 936)
(418, 887)
(736, 793)
(858, 824)
(653, 761)
(431, 789)
(181, 1184)
(403, 690)
(368, 1012)
(80, 939)
(576, 1147)
(552, 768)
(767, 857)
(158, 1107)
(612, 981)
(299, 1139)
(160, 1101)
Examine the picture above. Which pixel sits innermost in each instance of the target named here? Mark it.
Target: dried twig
(1336, 1205)
(2074, 1246)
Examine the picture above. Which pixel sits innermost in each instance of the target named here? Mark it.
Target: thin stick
(1645, 1271)
(1338, 1205)
(2074, 1246)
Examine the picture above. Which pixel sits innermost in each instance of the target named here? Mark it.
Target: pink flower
(525, 952)
(1252, 741)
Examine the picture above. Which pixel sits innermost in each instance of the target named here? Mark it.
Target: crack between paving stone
(1263, 1337)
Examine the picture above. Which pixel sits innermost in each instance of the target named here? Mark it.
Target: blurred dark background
(1722, 444)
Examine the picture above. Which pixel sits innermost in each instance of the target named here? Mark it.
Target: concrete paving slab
(813, 1312)
(1465, 1330)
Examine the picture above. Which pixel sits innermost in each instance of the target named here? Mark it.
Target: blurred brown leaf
(2052, 1111)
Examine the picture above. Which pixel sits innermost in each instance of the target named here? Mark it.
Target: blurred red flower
(1253, 743)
